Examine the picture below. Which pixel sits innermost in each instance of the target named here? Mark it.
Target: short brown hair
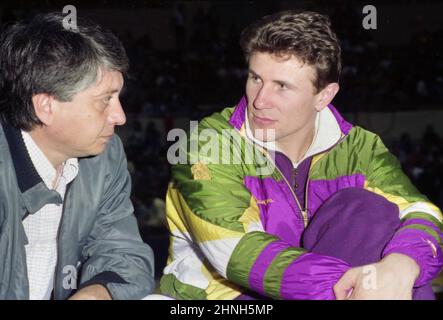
(305, 35)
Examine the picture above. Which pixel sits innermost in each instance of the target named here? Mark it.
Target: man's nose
(117, 115)
(262, 99)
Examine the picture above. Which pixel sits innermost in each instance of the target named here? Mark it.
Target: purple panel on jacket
(345, 126)
(296, 180)
(312, 276)
(257, 274)
(320, 190)
(238, 116)
(423, 248)
(279, 213)
(423, 222)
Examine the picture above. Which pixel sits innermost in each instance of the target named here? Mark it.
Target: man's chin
(92, 152)
(264, 134)
(99, 149)
(265, 137)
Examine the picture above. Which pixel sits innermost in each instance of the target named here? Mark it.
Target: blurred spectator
(422, 161)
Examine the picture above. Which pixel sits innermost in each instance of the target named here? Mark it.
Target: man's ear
(325, 96)
(44, 107)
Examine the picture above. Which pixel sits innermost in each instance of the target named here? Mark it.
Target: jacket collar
(35, 193)
(330, 127)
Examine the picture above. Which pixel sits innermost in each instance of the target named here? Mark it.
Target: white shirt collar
(327, 133)
(44, 167)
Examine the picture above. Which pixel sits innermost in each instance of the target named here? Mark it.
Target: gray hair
(41, 56)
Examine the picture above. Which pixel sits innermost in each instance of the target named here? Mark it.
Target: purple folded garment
(353, 225)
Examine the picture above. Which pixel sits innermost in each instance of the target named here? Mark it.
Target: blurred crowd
(205, 68)
(205, 71)
(422, 161)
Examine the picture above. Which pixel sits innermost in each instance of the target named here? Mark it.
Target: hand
(392, 278)
(92, 292)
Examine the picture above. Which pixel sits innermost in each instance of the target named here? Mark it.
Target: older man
(67, 223)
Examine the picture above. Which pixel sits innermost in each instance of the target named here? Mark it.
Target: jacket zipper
(304, 213)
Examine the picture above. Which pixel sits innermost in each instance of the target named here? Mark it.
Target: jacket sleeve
(420, 232)
(211, 204)
(116, 257)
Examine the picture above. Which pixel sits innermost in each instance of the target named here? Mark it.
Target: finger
(349, 293)
(343, 287)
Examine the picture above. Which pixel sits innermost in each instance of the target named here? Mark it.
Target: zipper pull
(305, 217)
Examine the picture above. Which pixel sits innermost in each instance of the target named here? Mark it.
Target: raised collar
(330, 127)
(44, 167)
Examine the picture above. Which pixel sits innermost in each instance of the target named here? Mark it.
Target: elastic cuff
(312, 277)
(103, 279)
(421, 247)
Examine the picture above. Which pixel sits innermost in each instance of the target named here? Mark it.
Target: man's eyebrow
(253, 72)
(284, 83)
(279, 82)
(107, 92)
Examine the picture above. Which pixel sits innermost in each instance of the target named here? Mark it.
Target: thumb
(344, 286)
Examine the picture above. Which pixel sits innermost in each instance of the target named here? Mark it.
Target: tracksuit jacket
(235, 227)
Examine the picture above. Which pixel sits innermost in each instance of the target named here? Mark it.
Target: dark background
(186, 63)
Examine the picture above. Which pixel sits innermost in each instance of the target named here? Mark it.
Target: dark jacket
(98, 238)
